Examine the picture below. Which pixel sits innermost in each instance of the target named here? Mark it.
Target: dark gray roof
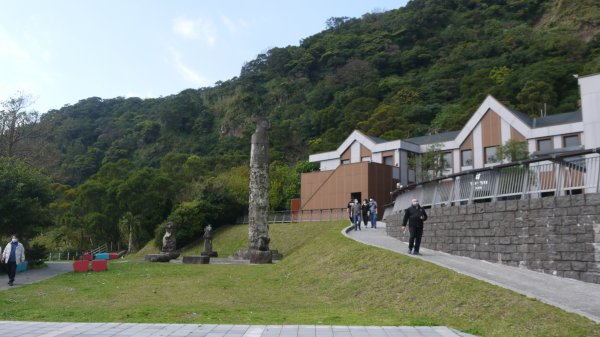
(376, 139)
(562, 118)
(431, 139)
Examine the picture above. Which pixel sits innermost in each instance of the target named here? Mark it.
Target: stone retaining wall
(554, 235)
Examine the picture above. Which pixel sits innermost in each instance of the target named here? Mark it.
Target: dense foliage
(406, 72)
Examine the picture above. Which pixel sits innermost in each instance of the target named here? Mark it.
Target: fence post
(496, 185)
(68, 255)
(597, 160)
(525, 186)
(559, 180)
(435, 193)
(472, 190)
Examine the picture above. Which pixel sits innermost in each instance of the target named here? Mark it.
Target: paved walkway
(35, 275)
(568, 294)
(42, 329)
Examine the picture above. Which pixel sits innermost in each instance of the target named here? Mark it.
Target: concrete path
(568, 294)
(42, 329)
(35, 275)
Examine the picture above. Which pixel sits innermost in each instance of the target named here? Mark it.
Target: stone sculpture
(208, 249)
(258, 225)
(169, 248)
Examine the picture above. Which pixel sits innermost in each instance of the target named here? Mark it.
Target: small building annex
(365, 166)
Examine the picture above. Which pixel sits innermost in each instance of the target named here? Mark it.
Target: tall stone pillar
(258, 225)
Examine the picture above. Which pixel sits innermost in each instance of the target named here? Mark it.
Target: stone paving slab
(571, 295)
(51, 329)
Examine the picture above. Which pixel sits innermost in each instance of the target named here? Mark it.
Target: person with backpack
(415, 216)
(13, 254)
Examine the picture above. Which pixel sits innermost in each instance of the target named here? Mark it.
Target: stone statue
(258, 225)
(208, 249)
(169, 246)
(169, 242)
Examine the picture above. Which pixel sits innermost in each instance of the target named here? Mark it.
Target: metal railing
(329, 214)
(556, 175)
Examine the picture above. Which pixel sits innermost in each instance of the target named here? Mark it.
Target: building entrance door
(356, 195)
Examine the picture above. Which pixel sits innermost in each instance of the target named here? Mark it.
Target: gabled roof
(435, 138)
(376, 139)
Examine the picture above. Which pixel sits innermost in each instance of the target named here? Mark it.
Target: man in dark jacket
(415, 216)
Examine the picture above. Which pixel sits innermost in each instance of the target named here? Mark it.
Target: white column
(355, 152)
(477, 148)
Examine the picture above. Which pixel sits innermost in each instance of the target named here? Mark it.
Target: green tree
(536, 97)
(25, 194)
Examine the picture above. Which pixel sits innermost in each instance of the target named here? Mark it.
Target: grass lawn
(324, 278)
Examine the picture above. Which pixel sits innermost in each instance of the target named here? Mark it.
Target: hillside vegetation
(127, 164)
(325, 278)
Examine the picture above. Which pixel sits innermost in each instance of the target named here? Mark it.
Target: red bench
(99, 265)
(81, 266)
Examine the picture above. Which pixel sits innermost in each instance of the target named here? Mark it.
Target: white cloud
(188, 74)
(233, 26)
(199, 29)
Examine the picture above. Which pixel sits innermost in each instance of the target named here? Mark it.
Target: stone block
(198, 259)
(523, 205)
(548, 202)
(578, 266)
(500, 206)
(590, 277)
(572, 274)
(576, 210)
(568, 256)
(588, 210)
(563, 201)
(471, 209)
(562, 265)
(511, 205)
(570, 220)
(560, 212)
(592, 199)
(535, 203)
(578, 200)
(462, 209)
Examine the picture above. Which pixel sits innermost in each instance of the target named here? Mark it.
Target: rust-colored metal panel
(468, 143)
(364, 152)
(514, 134)
(490, 129)
(347, 154)
(369, 179)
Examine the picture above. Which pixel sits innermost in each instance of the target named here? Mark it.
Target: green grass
(324, 278)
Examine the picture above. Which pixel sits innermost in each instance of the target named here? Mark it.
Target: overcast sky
(61, 51)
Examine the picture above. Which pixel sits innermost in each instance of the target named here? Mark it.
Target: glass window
(389, 160)
(572, 140)
(466, 157)
(347, 161)
(545, 144)
(447, 160)
(490, 155)
(366, 159)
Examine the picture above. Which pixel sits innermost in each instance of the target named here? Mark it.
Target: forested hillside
(126, 164)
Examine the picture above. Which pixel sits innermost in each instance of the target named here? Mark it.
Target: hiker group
(365, 212)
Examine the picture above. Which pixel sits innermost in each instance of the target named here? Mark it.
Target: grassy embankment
(324, 278)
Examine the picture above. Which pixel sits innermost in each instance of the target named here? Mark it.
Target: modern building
(364, 166)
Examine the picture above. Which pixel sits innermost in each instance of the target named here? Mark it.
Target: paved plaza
(43, 329)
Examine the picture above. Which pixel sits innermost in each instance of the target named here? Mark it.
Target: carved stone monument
(258, 225)
(169, 246)
(208, 249)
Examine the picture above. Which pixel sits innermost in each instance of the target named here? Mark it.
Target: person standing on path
(356, 210)
(365, 211)
(13, 254)
(415, 215)
(373, 212)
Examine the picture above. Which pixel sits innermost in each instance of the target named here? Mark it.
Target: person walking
(350, 204)
(415, 216)
(13, 254)
(356, 210)
(365, 212)
(373, 212)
